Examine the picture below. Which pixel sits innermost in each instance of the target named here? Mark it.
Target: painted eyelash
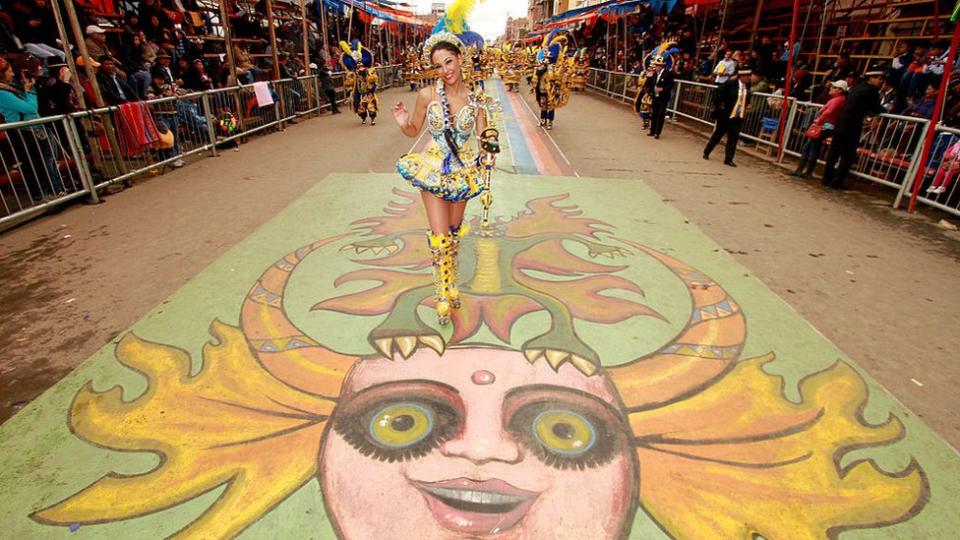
(352, 428)
(602, 453)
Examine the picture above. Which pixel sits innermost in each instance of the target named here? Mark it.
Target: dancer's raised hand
(400, 114)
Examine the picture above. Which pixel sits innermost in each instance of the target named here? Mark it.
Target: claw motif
(500, 268)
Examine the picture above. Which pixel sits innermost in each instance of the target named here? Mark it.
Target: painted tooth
(555, 358)
(386, 347)
(407, 344)
(434, 342)
(583, 365)
(532, 354)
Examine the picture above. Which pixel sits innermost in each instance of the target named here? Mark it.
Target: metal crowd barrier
(39, 165)
(51, 161)
(889, 149)
(938, 187)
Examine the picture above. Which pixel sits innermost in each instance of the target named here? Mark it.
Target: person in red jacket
(826, 119)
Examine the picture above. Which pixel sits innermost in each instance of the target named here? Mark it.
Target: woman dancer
(448, 173)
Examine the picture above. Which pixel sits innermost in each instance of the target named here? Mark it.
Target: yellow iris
(564, 432)
(401, 424)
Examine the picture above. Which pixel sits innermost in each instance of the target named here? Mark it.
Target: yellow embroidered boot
(442, 276)
(456, 234)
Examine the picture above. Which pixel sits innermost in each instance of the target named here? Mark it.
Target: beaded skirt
(425, 171)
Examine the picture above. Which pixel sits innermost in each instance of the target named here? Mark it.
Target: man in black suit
(113, 85)
(659, 87)
(730, 101)
(863, 100)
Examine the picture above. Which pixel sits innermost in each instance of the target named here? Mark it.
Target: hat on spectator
(93, 63)
(841, 85)
(104, 58)
(744, 72)
(874, 71)
(94, 29)
(313, 65)
(163, 54)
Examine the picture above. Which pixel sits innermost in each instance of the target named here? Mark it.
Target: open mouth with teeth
(476, 507)
(476, 501)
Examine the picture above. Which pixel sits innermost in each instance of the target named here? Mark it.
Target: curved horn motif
(283, 349)
(707, 347)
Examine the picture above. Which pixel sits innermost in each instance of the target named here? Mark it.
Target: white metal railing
(938, 187)
(51, 161)
(889, 147)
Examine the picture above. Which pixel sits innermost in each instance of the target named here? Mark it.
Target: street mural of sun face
(467, 436)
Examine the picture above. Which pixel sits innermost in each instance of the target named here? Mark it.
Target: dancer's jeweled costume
(450, 175)
(452, 167)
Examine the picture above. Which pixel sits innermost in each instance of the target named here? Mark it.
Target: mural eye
(398, 430)
(564, 432)
(566, 438)
(402, 425)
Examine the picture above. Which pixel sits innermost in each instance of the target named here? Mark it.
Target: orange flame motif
(722, 452)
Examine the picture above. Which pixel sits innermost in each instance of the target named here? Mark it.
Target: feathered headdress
(354, 55)
(452, 28)
(665, 51)
(552, 47)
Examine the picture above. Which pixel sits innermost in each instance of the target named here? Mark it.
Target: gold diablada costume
(411, 68)
(581, 67)
(362, 81)
(510, 69)
(550, 83)
(452, 167)
(643, 104)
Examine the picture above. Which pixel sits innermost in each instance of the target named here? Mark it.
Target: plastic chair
(768, 132)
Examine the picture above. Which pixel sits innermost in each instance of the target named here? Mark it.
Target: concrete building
(539, 11)
(516, 29)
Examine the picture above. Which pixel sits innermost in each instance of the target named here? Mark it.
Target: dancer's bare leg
(438, 213)
(456, 213)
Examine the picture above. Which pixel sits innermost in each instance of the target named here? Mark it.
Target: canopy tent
(571, 19)
(382, 12)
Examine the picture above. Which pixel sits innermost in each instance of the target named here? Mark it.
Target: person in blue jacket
(31, 145)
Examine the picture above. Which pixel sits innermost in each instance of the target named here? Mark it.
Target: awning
(381, 13)
(569, 20)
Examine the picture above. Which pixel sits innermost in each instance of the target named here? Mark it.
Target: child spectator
(196, 78)
(923, 107)
(889, 97)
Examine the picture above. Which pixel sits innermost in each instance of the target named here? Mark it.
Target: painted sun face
(477, 442)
